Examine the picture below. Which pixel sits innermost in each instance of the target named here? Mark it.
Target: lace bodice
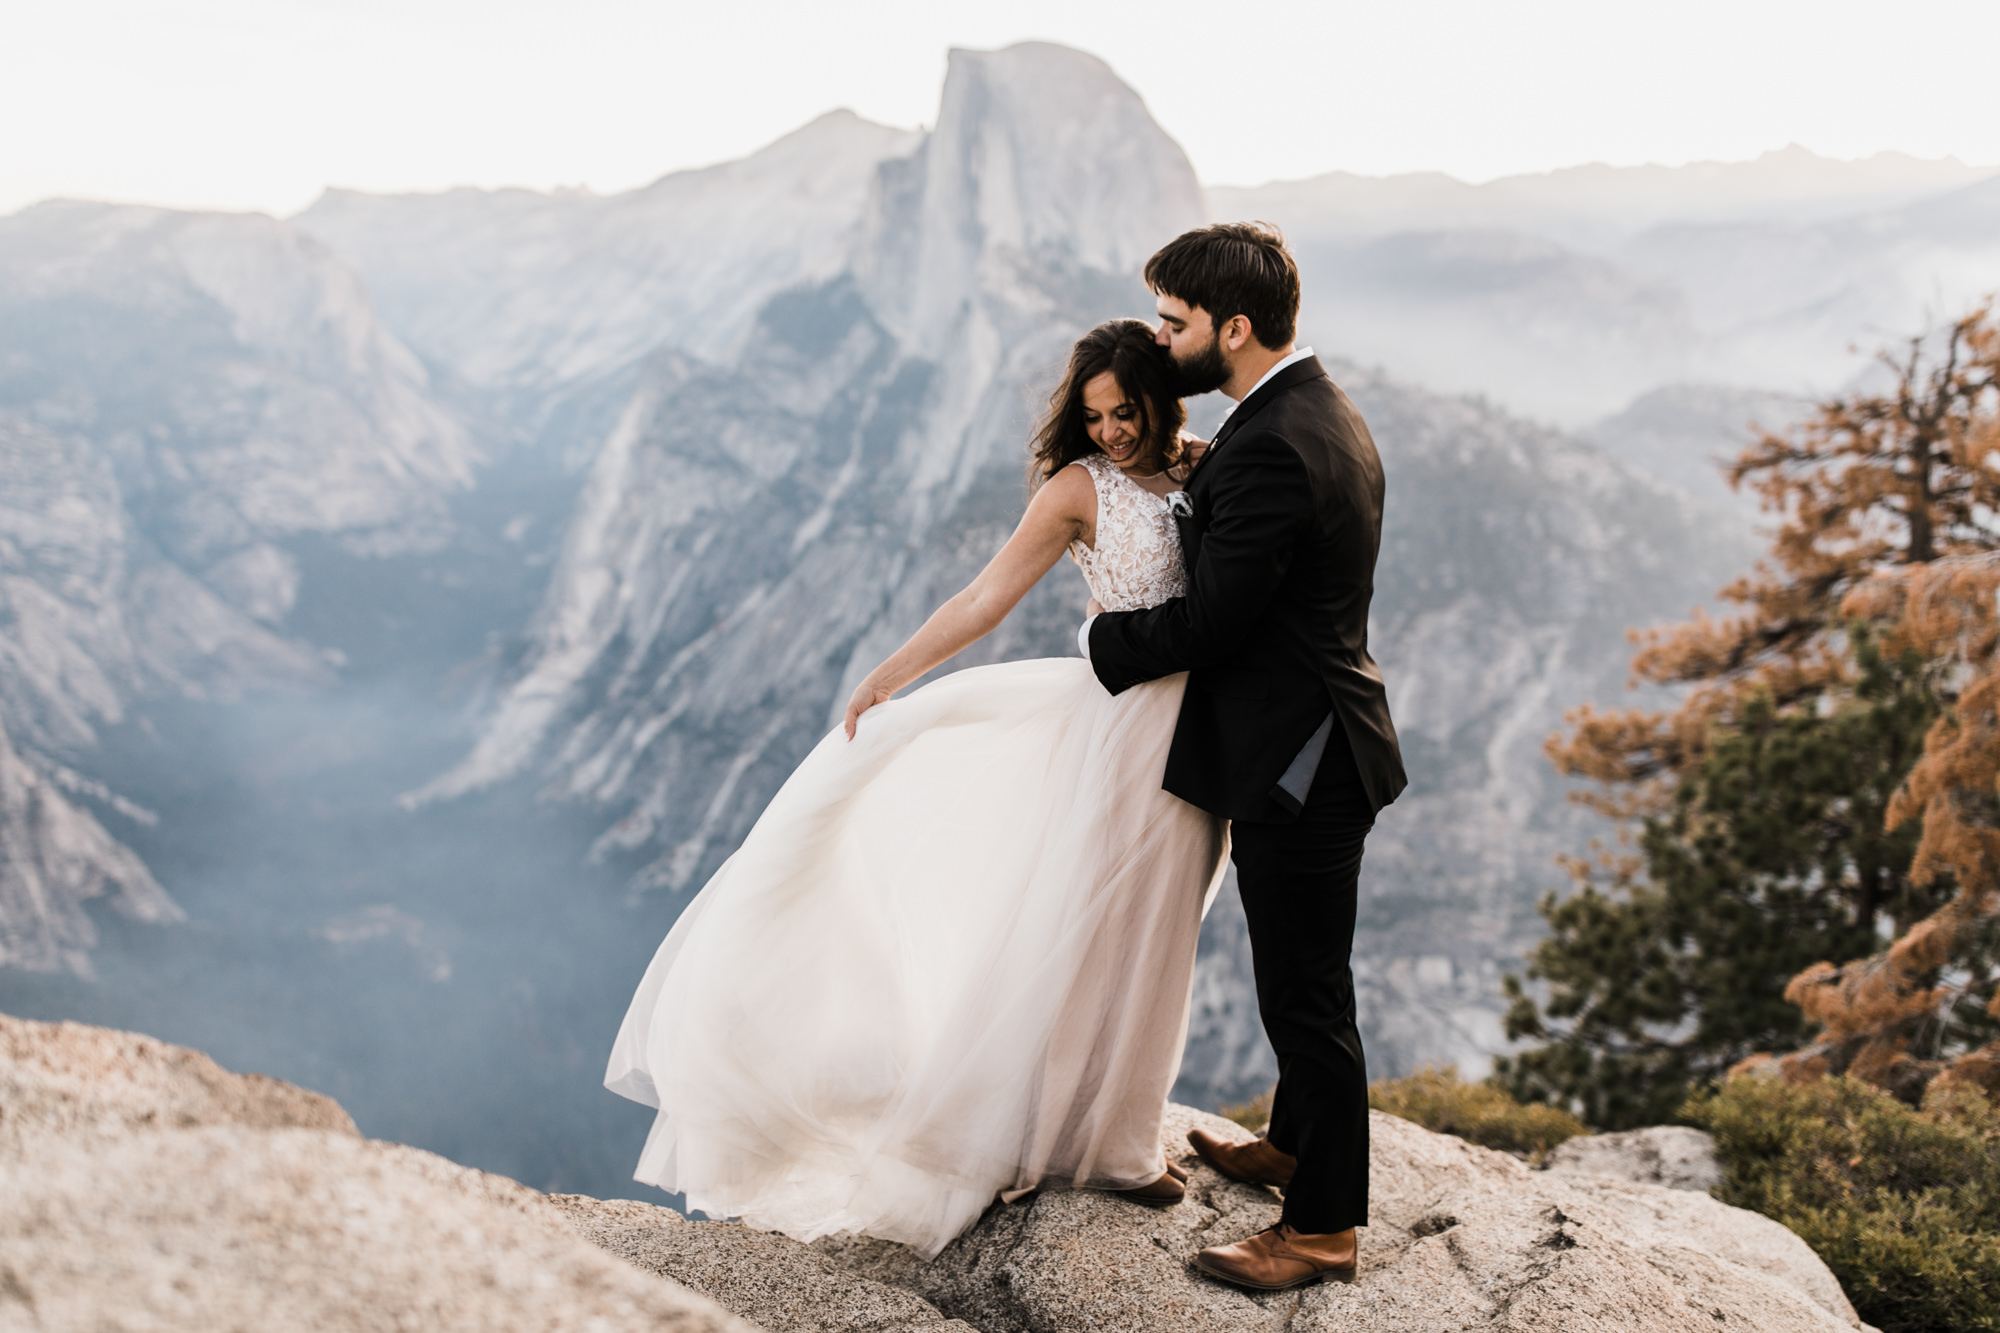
(1137, 562)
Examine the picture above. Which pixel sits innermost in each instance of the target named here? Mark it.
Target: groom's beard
(1201, 373)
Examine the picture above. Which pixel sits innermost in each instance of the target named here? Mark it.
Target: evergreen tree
(1770, 857)
(1925, 1010)
(1757, 807)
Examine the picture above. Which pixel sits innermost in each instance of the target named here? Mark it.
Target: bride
(953, 957)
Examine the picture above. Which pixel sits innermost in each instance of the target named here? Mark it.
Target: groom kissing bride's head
(1223, 291)
(1228, 303)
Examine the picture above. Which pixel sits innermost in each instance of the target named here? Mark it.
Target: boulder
(144, 1187)
(71, 1079)
(1662, 1219)
(774, 1280)
(1675, 1156)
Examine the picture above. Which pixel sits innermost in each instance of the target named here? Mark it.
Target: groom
(1284, 728)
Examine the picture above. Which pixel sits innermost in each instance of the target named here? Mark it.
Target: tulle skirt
(953, 958)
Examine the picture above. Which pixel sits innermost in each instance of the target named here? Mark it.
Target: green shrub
(1902, 1204)
(1480, 1113)
(1439, 1100)
(1253, 1115)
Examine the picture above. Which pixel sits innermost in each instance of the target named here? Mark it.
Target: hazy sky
(260, 103)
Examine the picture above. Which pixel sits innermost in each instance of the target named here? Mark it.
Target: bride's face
(1114, 422)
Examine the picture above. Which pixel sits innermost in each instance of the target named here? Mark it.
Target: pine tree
(1926, 1009)
(1753, 815)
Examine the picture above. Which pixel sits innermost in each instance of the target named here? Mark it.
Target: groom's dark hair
(1231, 269)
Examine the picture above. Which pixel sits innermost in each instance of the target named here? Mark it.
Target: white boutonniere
(1179, 505)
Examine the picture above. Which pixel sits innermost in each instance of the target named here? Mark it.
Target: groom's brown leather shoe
(1254, 1163)
(1162, 1193)
(1279, 1258)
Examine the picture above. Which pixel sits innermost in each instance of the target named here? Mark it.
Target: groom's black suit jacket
(1273, 631)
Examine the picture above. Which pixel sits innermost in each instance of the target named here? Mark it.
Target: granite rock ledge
(146, 1186)
(143, 1186)
(1462, 1238)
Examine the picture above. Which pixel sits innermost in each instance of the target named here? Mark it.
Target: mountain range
(1569, 294)
(416, 599)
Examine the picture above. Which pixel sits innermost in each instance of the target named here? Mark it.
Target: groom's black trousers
(1299, 884)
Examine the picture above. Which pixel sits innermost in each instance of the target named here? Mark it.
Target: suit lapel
(1193, 524)
(1296, 373)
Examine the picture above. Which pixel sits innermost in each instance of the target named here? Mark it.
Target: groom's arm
(1259, 505)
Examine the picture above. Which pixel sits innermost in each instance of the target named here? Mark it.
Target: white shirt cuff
(1083, 637)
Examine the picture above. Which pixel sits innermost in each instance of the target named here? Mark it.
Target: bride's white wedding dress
(954, 955)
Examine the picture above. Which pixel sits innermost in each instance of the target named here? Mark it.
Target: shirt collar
(1292, 360)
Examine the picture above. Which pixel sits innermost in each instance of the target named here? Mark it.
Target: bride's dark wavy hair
(1125, 347)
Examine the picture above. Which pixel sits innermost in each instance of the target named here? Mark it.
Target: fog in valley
(406, 605)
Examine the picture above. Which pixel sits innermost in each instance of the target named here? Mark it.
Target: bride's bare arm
(1063, 510)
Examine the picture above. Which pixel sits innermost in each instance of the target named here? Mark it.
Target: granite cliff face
(233, 371)
(533, 295)
(182, 397)
(98, 614)
(54, 857)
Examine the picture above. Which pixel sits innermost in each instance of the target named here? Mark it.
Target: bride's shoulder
(1086, 474)
(1073, 489)
(1069, 497)
(1079, 479)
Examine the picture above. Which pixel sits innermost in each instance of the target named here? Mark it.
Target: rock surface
(1665, 1219)
(783, 1285)
(74, 1080)
(1461, 1238)
(145, 1187)
(1676, 1156)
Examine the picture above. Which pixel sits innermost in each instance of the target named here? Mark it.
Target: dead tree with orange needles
(1753, 817)
(1928, 1007)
